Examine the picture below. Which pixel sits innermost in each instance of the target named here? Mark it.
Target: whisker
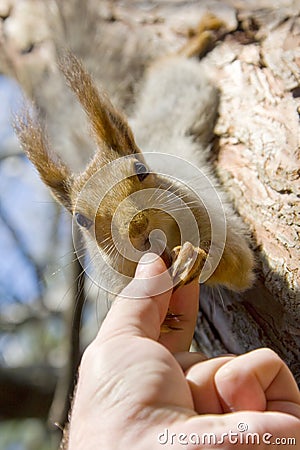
(221, 297)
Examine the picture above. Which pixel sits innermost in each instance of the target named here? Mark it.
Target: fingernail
(148, 258)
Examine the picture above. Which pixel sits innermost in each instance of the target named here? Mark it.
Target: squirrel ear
(52, 170)
(108, 124)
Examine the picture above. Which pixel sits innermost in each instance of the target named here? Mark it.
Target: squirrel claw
(203, 37)
(170, 322)
(167, 328)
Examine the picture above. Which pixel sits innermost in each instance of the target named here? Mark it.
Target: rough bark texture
(256, 67)
(257, 70)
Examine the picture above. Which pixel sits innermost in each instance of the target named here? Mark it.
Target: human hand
(132, 392)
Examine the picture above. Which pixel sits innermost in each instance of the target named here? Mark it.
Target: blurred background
(34, 280)
(38, 281)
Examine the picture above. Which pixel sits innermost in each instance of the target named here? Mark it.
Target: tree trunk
(257, 71)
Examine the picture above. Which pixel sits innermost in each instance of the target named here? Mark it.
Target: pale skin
(134, 383)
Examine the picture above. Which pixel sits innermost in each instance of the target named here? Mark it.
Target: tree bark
(257, 71)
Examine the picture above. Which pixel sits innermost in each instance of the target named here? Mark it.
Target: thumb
(141, 307)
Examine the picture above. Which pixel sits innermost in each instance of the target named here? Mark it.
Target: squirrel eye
(141, 170)
(83, 221)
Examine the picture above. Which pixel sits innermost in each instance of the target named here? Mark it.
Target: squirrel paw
(187, 262)
(203, 37)
(171, 323)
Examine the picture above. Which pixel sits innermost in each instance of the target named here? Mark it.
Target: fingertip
(150, 265)
(151, 277)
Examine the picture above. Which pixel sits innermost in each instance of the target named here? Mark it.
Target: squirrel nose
(138, 224)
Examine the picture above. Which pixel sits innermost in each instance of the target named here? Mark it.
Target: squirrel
(119, 200)
(150, 185)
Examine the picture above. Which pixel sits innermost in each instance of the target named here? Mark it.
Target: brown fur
(35, 143)
(109, 126)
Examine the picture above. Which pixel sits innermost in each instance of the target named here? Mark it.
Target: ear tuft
(108, 124)
(34, 141)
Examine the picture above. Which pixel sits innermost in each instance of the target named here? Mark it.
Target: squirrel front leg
(203, 37)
